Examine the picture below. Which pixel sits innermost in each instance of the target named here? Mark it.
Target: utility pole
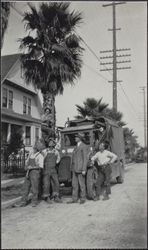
(144, 114)
(114, 56)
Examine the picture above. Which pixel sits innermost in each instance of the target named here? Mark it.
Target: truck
(99, 129)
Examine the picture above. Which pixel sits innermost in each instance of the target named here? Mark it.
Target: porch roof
(12, 114)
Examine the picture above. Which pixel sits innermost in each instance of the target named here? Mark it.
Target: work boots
(57, 199)
(96, 198)
(48, 200)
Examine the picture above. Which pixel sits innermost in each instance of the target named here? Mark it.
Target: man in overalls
(51, 159)
(34, 166)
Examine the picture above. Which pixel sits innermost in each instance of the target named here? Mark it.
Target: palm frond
(82, 111)
(91, 103)
(32, 20)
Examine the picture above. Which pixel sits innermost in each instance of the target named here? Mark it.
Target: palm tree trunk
(48, 118)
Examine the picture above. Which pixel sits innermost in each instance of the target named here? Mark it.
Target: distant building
(20, 103)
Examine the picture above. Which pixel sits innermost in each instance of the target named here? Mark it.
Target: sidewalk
(8, 184)
(11, 182)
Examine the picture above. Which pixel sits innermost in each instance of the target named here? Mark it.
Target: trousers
(48, 177)
(78, 180)
(104, 176)
(31, 182)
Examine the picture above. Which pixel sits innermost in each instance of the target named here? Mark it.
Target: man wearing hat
(79, 165)
(34, 165)
(51, 158)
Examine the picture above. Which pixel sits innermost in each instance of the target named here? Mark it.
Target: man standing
(79, 166)
(34, 166)
(103, 158)
(51, 158)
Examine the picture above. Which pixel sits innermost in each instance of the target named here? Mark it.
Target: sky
(131, 17)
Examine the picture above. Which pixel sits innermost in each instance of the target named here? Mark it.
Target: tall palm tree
(131, 143)
(115, 115)
(52, 52)
(91, 107)
(95, 108)
(5, 12)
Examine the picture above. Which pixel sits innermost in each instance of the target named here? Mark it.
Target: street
(120, 222)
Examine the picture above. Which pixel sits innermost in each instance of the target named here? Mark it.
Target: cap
(39, 146)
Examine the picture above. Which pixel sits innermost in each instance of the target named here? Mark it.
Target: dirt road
(117, 223)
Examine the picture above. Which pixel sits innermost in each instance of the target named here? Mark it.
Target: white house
(20, 103)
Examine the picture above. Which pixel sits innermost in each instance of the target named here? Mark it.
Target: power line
(128, 100)
(18, 11)
(91, 50)
(96, 72)
(135, 112)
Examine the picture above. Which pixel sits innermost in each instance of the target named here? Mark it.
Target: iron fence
(14, 163)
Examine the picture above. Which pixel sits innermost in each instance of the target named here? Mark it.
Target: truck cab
(95, 131)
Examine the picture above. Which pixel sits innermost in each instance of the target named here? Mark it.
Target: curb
(10, 183)
(9, 203)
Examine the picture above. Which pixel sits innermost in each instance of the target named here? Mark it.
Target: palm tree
(91, 107)
(52, 54)
(5, 12)
(131, 143)
(95, 108)
(115, 115)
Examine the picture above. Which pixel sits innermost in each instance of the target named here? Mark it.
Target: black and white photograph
(73, 124)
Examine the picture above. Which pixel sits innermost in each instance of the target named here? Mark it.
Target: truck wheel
(120, 179)
(91, 182)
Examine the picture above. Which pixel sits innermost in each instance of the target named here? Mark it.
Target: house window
(4, 105)
(28, 136)
(10, 103)
(26, 105)
(29, 106)
(7, 98)
(36, 134)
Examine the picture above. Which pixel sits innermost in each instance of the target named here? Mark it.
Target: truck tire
(91, 182)
(120, 178)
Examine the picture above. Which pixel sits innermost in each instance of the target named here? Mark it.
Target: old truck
(99, 129)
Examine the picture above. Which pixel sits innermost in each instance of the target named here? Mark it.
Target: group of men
(41, 169)
(80, 160)
(43, 163)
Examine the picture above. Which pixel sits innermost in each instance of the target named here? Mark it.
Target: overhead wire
(18, 11)
(96, 72)
(89, 48)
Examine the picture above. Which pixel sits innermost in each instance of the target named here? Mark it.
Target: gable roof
(11, 73)
(7, 63)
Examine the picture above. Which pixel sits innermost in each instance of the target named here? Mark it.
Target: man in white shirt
(104, 158)
(34, 165)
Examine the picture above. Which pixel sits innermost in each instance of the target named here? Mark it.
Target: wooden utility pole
(113, 4)
(114, 60)
(144, 115)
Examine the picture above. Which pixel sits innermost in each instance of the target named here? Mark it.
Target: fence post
(24, 155)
